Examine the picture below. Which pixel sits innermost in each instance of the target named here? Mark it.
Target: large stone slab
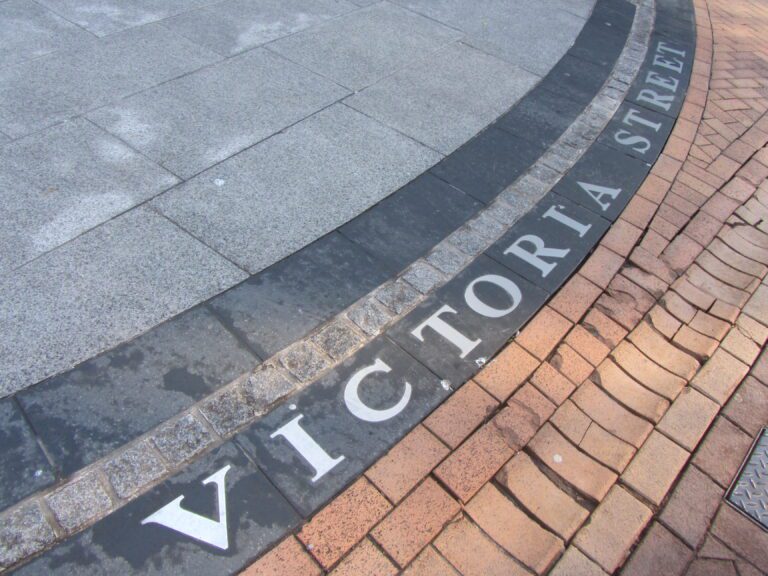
(576, 79)
(125, 542)
(447, 97)
(109, 400)
(488, 163)
(533, 35)
(361, 47)
(64, 181)
(102, 288)
(283, 303)
(410, 222)
(233, 105)
(44, 91)
(29, 30)
(278, 196)
(541, 117)
(505, 302)
(391, 380)
(103, 17)
(233, 26)
(24, 469)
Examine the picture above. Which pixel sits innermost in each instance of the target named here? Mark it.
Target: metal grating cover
(749, 492)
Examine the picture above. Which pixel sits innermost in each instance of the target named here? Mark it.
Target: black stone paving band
(245, 495)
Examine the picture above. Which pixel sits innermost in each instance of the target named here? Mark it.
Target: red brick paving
(602, 439)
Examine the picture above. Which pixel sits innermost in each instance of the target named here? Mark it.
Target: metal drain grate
(749, 492)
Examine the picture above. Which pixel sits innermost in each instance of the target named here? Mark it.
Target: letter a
(173, 516)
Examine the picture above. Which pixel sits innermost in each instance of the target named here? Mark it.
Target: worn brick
(696, 343)
(688, 418)
(693, 294)
(722, 451)
(703, 228)
(705, 281)
(601, 326)
(709, 325)
(507, 372)
(474, 553)
(724, 311)
(552, 384)
(655, 467)
(653, 345)
(606, 448)
(407, 463)
(627, 391)
(614, 528)
(541, 497)
(647, 372)
(620, 307)
(741, 346)
(582, 472)
(724, 272)
(365, 560)
(574, 563)
(602, 266)
(742, 535)
(663, 321)
(611, 415)
(513, 530)
(681, 253)
(692, 506)
(571, 421)
(652, 264)
(287, 559)
(574, 299)
(543, 333)
(430, 563)
(570, 364)
(589, 347)
(748, 407)
(336, 529)
(622, 237)
(639, 211)
(462, 413)
(678, 307)
(415, 522)
(660, 552)
(720, 376)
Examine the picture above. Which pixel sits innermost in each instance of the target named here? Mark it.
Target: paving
(228, 136)
(384, 439)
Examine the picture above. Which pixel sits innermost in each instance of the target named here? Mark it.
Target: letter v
(173, 516)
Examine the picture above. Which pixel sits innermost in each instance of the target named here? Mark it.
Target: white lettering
(656, 79)
(664, 47)
(597, 192)
(663, 101)
(306, 446)
(361, 410)
(536, 257)
(574, 225)
(633, 116)
(638, 143)
(464, 344)
(669, 63)
(489, 311)
(173, 516)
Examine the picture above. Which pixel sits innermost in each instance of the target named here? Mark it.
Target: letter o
(489, 311)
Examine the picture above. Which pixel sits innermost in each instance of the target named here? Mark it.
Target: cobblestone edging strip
(603, 438)
(144, 463)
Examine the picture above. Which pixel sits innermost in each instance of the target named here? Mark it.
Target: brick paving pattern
(603, 438)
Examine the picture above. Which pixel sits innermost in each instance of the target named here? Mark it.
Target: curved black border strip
(107, 401)
(602, 182)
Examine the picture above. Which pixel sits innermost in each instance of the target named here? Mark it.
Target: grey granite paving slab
(103, 17)
(61, 182)
(104, 287)
(533, 35)
(233, 26)
(41, 92)
(112, 399)
(285, 192)
(447, 97)
(24, 468)
(193, 122)
(292, 297)
(361, 47)
(28, 30)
